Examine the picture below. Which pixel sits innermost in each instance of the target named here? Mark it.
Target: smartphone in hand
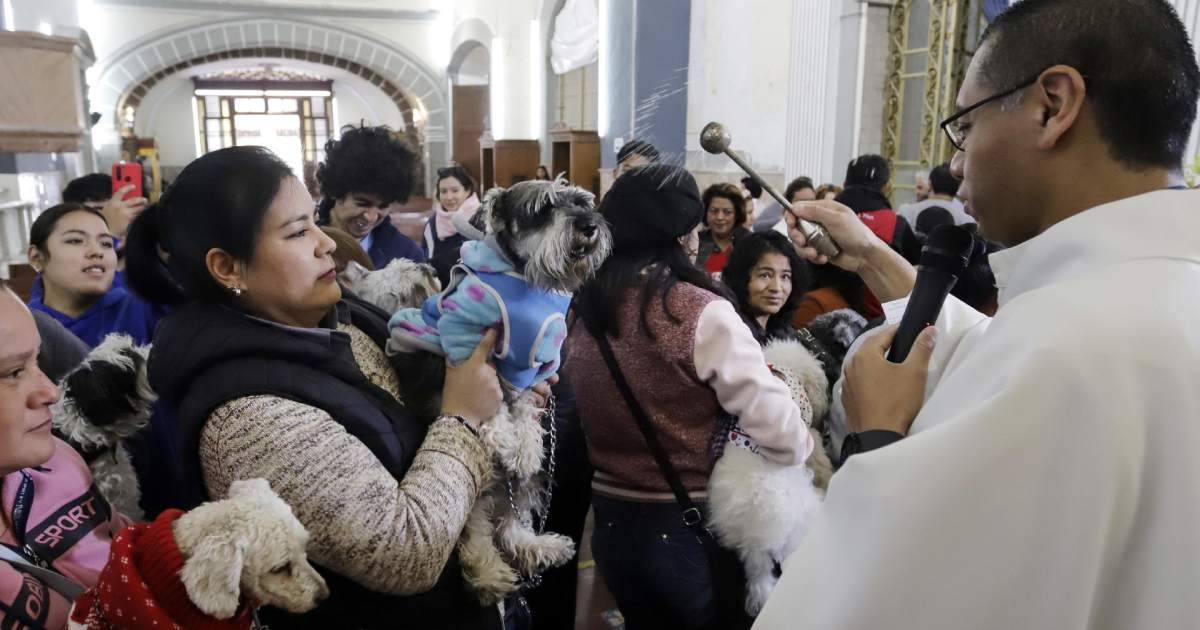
(127, 173)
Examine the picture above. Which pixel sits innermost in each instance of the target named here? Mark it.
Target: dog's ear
(212, 574)
(354, 272)
(108, 397)
(486, 218)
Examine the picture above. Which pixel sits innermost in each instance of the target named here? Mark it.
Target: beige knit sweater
(389, 536)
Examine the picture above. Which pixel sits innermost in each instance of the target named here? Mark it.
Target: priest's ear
(1059, 94)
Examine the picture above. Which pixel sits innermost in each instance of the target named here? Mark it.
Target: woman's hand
(542, 391)
(880, 395)
(472, 388)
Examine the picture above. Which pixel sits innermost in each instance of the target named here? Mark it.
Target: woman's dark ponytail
(218, 201)
(145, 271)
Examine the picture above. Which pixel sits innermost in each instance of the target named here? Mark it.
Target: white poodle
(762, 509)
(247, 549)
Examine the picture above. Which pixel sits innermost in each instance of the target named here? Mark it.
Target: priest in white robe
(1049, 472)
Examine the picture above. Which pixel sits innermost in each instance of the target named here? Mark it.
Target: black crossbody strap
(691, 514)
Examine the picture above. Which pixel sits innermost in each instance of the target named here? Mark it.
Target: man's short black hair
(638, 147)
(941, 182)
(752, 187)
(1142, 77)
(94, 187)
(871, 171)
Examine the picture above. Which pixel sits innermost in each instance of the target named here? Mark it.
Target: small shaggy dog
(544, 240)
(401, 284)
(762, 509)
(218, 562)
(104, 401)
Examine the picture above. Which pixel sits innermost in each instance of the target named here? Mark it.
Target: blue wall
(647, 75)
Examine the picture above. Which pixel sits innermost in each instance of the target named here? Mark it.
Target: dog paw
(544, 552)
(491, 582)
(757, 592)
(490, 577)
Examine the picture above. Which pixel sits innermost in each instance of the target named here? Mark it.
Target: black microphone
(943, 258)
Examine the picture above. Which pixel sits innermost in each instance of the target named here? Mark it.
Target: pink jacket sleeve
(732, 363)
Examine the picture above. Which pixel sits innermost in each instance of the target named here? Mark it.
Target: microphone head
(948, 249)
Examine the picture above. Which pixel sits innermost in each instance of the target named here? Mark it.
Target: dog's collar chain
(528, 519)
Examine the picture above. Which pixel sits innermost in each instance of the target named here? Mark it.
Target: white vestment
(1052, 478)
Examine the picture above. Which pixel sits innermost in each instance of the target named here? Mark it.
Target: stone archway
(126, 76)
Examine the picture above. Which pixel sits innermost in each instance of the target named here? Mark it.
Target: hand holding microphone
(884, 386)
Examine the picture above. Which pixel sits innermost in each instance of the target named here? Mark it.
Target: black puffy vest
(206, 355)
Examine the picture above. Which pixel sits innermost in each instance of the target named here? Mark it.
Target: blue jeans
(656, 567)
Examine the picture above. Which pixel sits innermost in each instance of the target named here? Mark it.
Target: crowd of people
(1027, 466)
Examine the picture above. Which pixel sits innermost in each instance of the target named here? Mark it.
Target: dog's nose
(587, 227)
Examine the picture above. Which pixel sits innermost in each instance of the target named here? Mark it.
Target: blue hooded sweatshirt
(118, 311)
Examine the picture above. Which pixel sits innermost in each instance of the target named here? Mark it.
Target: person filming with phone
(1038, 468)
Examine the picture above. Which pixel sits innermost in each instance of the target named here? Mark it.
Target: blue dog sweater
(485, 291)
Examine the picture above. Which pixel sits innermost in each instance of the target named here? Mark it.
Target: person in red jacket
(868, 182)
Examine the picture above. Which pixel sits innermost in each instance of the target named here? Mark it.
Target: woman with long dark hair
(272, 374)
(767, 277)
(686, 356)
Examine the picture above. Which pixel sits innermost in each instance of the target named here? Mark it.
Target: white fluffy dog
(104, 401)
(247, 549)
(762, 509)
(247, 545)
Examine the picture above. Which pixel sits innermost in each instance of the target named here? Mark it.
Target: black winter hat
(637, 147)
(652, 205)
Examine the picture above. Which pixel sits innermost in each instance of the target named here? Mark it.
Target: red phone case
(127, 173)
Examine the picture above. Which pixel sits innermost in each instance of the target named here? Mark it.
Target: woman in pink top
(687, 357)
(50, 513)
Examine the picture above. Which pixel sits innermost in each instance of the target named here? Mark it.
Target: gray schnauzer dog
(104, 401)
(401, 284)
(540, 241)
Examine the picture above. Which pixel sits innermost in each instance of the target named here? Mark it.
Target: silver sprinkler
(716, 139)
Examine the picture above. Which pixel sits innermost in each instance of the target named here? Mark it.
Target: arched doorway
(127, 76)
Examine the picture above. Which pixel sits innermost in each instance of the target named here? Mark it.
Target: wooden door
(470, 107)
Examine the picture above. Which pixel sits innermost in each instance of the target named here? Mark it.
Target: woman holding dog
(42, 482)
(686, 356)
(272, 374)
(767, 277)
